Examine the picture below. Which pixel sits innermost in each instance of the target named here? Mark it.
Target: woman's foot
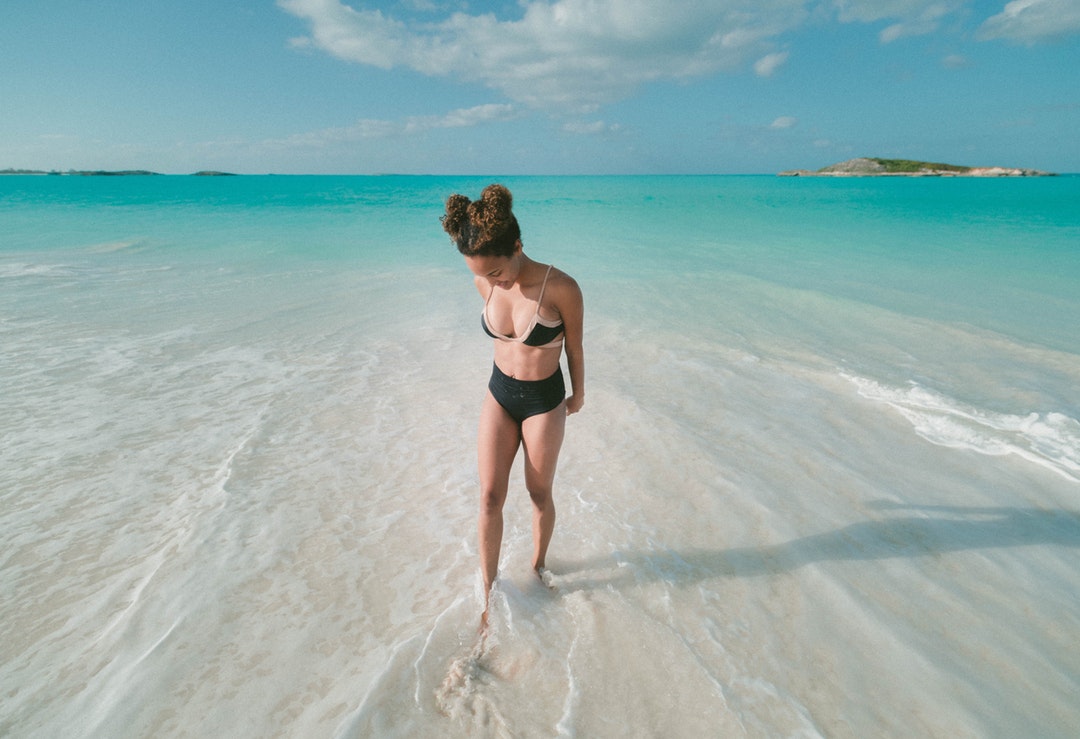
(545, 577)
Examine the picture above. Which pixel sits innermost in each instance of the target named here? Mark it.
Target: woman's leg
(497, 444)
(542, 437)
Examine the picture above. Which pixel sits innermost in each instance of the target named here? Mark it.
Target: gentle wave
(1049, 439)
(14, 270)
(109, 247)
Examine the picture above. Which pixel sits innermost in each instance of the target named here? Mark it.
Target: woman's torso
(522, 315)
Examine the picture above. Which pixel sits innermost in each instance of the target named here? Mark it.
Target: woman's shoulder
(561, 286)
(561, 279)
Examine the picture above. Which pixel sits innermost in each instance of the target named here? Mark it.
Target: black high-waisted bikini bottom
(525, 398)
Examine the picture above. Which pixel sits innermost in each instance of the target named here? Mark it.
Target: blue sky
(536, 87)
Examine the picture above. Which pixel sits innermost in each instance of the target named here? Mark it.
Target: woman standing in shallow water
(532, 311)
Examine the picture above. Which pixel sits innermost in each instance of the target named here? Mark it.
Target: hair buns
(457, 215)
(486, 225)
(492, 211)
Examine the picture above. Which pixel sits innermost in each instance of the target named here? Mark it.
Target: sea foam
(1049, 439)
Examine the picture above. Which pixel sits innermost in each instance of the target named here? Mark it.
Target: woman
(532, 311)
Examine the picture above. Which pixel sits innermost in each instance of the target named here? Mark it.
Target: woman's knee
(492, 499)
(540, 495)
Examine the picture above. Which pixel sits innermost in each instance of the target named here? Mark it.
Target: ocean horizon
(825, 482)
(70, 172)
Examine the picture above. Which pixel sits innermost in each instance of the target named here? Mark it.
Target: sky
(536, 86)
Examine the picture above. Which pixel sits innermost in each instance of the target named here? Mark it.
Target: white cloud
(912, 28)
(768, 64)
(784, 121)
(568, 53)
(463, 117)
(913, 17)
(1026, 21)
(590, 128)
(870, 11)
(578, 55)
(425, 6)
(1031, 21)
(369, 128)
(955, 61)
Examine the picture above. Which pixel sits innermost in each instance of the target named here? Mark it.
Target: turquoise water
(825, 480)
(1000, 254)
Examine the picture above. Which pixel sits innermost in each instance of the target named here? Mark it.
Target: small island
(874, 167)
(105, 173)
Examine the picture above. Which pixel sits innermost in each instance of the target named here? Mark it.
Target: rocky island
(874, 167)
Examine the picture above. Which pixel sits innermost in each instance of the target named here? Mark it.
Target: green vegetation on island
(904, 166)
(876, 167)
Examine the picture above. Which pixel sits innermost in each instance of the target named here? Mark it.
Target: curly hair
(484, 227)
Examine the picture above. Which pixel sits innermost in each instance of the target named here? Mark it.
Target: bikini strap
(541, 298)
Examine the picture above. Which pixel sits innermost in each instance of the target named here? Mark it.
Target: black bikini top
(540, 332)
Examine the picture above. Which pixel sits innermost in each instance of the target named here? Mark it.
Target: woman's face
(498, 271)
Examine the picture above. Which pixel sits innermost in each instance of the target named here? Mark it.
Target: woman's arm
(572, 309)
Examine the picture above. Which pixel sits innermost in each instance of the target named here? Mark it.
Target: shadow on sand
(938, 530)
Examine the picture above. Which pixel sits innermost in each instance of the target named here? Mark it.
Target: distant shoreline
(875, 167)
(836, 170)
(105, 173)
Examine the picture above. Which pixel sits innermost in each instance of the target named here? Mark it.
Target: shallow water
(825, 483)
